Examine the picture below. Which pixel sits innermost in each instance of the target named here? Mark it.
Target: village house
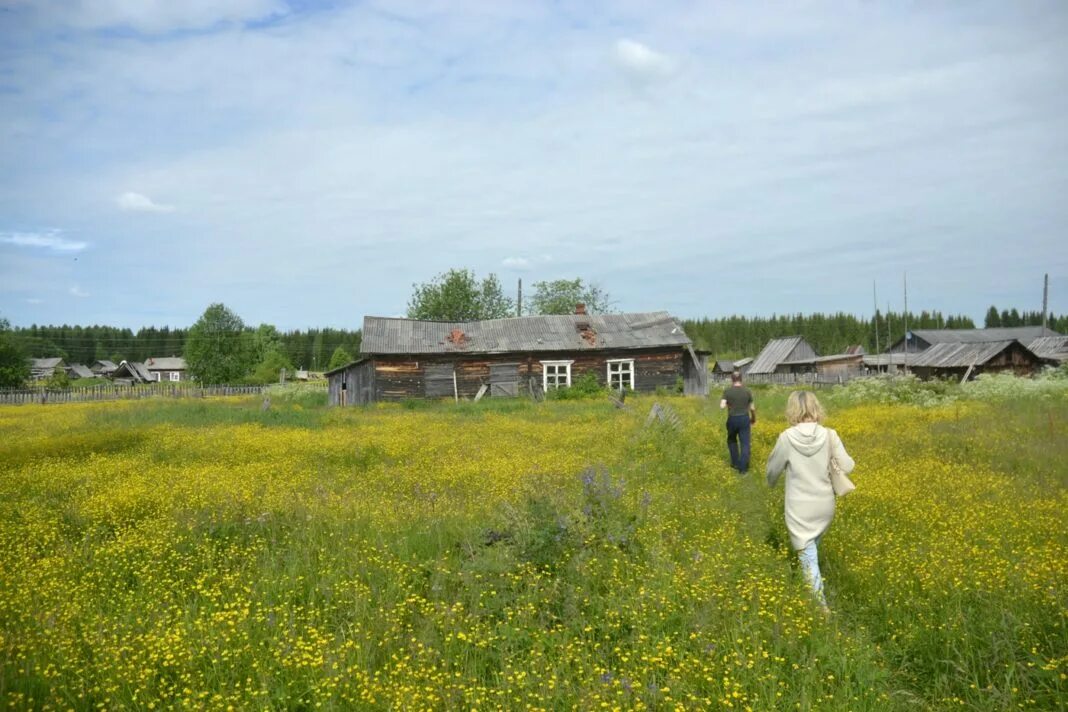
(130, 373)
(918, 340)
(77, 370)
(169, 369)
(725, 367)
(966, 360)
(103, 367)
(41, 369)
(1051, 349)
(407, 358)
(779, 351)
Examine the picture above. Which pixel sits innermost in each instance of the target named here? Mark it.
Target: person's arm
(838, 452)
(752, 409)
(778, 459)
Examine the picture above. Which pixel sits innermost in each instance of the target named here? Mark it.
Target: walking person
(804, 451)
(741, 414)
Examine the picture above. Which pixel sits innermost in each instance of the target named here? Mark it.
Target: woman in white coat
(804, 451)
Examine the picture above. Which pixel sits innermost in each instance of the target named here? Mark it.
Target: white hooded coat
(804, 452)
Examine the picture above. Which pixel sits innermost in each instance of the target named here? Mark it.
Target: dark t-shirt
(738, 399)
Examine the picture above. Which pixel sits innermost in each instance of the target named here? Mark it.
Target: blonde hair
(802, 407)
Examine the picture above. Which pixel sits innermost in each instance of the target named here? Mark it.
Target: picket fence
(16, 396)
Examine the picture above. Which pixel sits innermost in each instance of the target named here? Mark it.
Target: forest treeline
(309, 349)
(738, 336)
(725, 337)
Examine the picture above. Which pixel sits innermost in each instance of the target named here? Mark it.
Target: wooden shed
(790, 348)
(407, 358)
(919, 340)
(966, 360)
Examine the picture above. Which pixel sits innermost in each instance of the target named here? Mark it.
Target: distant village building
(103, 367)
(778, 351)
(918, 340)
(77, 370)
(1051, 349)
(406, 358)
(131, 373)
(41, 369)
(832, 365)
(725, 367)
(169, 369)
(964, 360)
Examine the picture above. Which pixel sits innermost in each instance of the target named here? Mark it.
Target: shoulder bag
(840, 482)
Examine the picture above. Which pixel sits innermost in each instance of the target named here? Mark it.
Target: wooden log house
(405, 358)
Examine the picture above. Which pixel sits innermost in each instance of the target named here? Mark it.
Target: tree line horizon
(223, 347)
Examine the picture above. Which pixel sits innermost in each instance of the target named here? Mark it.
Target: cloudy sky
(306, 162)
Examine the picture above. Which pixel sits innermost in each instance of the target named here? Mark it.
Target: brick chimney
(580, 308)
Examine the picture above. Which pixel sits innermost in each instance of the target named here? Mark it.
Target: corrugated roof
(773, 354)
(959, 355)
(1050, 347)
(166, 363)
(105, 365)
(383, 335)
(1024, 334)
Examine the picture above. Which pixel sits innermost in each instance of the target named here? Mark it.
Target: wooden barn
(966, 360)
(406, 358)
(778, 351)
(919, 340)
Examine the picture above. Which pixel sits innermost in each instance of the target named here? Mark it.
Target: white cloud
(34, 300)
(51, 240)
(642, 63)
(516, 263)
(77, 291)
(136, 202)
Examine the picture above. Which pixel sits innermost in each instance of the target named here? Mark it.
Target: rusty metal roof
(570, 332)
(960, 355)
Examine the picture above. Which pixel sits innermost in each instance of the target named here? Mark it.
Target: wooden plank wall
(400, 378)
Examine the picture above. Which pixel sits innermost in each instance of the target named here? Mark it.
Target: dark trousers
(738, 441)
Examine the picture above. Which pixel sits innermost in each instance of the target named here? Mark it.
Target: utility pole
(1045, 303)
(875, 303)
(905, 282)
(519, 299)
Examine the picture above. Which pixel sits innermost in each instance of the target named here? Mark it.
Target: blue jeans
(810, 568)
(738, 441)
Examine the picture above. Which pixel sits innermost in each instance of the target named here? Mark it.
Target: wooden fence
(815, 380)
(13, 396)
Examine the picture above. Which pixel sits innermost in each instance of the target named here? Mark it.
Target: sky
(306, 162)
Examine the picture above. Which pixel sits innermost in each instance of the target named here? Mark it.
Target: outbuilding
(407, 358)
(967, 359)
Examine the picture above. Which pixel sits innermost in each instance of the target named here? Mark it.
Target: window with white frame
(621, 373)
(555, 374)
(176, 376)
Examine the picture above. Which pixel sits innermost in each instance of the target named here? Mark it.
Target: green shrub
(585, 386)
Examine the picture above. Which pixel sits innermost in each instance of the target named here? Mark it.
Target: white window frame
(175, 376)
(627, 373)
(556, 364)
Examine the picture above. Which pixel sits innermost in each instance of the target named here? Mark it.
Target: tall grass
(507, 554)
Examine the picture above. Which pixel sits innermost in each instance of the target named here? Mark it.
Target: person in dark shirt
(741, 414)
